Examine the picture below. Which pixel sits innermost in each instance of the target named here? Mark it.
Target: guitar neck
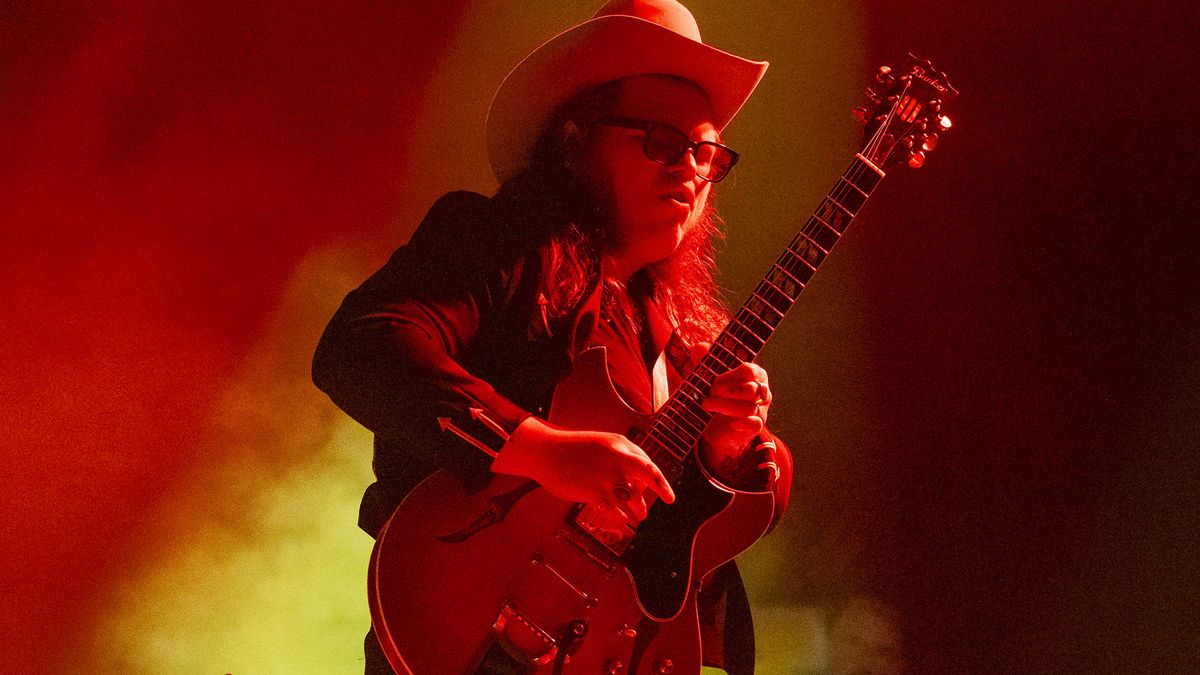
(678, 425)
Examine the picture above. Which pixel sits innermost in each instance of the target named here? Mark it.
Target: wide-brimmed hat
(624, 38)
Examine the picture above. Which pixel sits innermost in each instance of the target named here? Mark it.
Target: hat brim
(600, 50)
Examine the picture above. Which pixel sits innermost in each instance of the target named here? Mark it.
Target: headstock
(906, 118)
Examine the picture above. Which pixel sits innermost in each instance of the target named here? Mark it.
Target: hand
(739, 401)
(584, 466)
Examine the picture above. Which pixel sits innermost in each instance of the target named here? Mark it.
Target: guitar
(460, 570)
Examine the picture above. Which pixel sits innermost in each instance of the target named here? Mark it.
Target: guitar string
(853, 176)
(679, 407)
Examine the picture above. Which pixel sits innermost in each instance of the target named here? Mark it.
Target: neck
(619, 268)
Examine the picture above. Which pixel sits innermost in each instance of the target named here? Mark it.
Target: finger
(736, 389)
(636, 508)
(764, 396)
(649, 475)
(749, 425)
(758, 391)
(730, 407)
(747, 373)
(698, 351)
(659, 485)
(733, 434)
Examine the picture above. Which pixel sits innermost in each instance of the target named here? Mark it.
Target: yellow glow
(279, 590)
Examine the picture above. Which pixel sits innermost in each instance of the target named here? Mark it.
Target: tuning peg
(935, 106)
(884, 75)
(859, 113)
(916, 160)
(944, 122)
(929, 143)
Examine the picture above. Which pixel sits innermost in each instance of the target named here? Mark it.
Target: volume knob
(664, 666)
(614, 667)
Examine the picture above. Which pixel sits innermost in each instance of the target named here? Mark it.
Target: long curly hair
(557, 200)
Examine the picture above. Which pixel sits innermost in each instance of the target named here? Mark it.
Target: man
(607, 144)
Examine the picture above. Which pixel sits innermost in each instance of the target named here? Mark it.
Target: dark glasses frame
(684, 144)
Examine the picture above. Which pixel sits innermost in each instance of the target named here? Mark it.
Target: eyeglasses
(665, 145)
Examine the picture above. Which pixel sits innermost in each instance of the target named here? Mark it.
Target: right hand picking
(585, 466)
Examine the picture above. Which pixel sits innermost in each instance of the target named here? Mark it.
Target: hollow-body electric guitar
(459, 570)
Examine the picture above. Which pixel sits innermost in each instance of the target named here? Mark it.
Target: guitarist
(607, 144)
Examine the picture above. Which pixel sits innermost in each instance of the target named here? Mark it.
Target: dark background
(1022, 485)
(1038, 477)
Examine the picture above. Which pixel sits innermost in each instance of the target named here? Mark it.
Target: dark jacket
(456, 320)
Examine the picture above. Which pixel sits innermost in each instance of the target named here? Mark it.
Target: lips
(681, 196)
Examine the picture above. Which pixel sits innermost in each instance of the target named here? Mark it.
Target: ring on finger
(623, 491)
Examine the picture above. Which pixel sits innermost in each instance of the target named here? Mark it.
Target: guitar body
(458, 571)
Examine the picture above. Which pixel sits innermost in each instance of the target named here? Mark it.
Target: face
(653, 204)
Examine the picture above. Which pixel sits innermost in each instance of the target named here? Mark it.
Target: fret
(733, 361)
(833, 215)
(681, 422)
(676, 453)
(829, 198)
(786, 284)
(810, 240)
(675, 440)
(705, 371)
(851, 199)
(679, 448)
(763, 309)
(770, 297)
(803, 271)
(653, 446)
(774, 297)
(695, 425)
(749, 314)
(745, 338)
(818, 219)
(688, 417)
(669, 461)
(864, 175)
(807, 250)
(692, 392)
(749, 335)
(670, 434)
(696, 417)
(740, 351)
(824, 235)
(847, 181)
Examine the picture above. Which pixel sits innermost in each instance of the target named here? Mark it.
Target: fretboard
(676, 428)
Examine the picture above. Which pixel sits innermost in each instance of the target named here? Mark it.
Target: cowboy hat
(624, 38)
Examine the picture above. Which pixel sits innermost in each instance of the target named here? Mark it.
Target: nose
(685, 165)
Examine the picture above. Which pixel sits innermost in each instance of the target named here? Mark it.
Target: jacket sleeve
(390, 356)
